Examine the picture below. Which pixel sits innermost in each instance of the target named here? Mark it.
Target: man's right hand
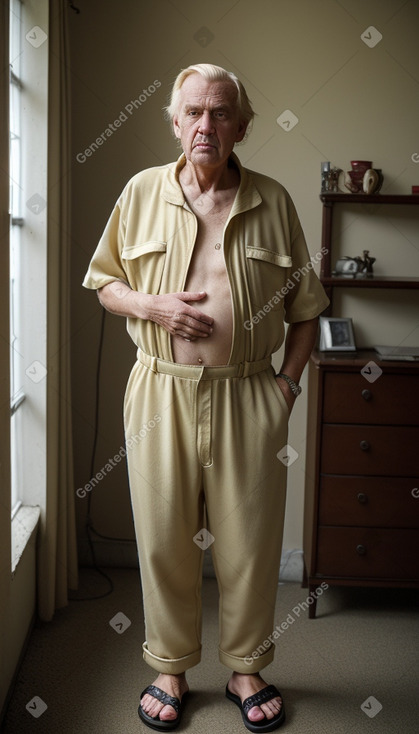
(172, 311)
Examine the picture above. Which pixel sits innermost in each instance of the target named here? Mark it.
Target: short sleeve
(306, 297)
(106, 263)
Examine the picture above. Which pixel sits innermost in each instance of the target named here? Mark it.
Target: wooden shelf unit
(361, 515)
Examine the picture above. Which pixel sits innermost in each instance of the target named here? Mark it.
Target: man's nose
(206, 124)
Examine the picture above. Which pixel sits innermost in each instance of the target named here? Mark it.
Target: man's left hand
(287, 393)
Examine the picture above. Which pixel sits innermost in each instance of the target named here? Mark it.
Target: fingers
(193, 326)
(193, 312)
(191, 322)
(188, 296)
(173, 312)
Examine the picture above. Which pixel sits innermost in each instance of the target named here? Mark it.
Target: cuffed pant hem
(171, 666)
(250, 663)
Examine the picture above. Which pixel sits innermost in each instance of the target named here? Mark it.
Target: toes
(145, 702)
(153, 707)
(266, 710)
(271, 708)
(255, 714)
(167, 713)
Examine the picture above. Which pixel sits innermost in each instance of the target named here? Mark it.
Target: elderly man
(206, 260)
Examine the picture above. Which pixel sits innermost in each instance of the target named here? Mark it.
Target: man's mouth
(203, 144)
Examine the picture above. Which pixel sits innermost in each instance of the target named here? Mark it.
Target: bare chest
(207, 272)
(207, 261)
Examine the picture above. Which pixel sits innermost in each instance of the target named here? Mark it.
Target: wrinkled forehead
(197, 91)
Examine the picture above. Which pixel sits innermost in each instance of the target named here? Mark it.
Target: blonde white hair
(211, 73)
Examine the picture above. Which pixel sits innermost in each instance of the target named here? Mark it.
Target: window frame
(28, 235)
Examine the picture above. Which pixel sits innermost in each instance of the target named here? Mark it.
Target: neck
(207, 178)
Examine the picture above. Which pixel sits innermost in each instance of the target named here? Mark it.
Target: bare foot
(245, 685)
(174, 685)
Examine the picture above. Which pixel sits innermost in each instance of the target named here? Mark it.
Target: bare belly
(208, 273)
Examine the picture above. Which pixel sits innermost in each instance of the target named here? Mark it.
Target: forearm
(301, 338)
(172, 311)
(118, 298)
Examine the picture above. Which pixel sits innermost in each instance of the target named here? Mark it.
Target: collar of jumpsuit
(247, 195)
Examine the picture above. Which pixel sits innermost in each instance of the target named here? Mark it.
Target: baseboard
(117, 554)
(12, 684)
(292, 565)
(108, 553)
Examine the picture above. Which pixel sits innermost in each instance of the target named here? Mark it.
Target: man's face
(207, 122)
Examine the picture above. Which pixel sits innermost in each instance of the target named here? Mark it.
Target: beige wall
(351, 101)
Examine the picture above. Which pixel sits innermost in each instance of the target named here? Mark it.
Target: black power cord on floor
(89, 525)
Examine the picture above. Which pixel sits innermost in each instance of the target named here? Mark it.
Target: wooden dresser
(361, 521)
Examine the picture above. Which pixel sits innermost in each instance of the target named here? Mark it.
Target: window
(28, 94)
(16, 221)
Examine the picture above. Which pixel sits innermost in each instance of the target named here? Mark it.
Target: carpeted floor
(353, 669)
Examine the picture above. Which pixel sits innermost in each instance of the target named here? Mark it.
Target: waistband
(198, 372)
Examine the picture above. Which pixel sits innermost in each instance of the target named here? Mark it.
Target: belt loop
(153, 363)
(241, 369)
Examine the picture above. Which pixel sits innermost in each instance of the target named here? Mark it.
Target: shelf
(338, 198)
(329, 200)
(381, 281)
(355, 361)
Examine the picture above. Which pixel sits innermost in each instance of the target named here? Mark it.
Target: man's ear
(241, 132)
(176, 128)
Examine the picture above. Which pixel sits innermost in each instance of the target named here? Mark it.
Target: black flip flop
(263, 696)
(155, 722)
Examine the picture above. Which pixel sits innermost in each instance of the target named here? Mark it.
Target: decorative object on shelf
(363, 178)
(330, 177)
(325, 168)
(349, 184)
(355, 267)
(333, 181)
(356, 175)
(372, 181)
(346, 267)
(336, 335)
(366, 264)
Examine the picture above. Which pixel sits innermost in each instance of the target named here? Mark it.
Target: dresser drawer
(368, 553)
(372, 450)
(369, 501)
(350, 398)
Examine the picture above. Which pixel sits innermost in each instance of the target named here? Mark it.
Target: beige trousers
(202, 448)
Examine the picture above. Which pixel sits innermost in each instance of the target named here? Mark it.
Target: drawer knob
(361, 550)
(362, 498)
(364, 445)
(366, 394)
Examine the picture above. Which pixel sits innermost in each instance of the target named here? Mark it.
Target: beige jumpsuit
(202, 442)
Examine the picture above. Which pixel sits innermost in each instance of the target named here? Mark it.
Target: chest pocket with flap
(268, 272)
(144, 264)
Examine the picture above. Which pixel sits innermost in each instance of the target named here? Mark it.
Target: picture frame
(336, 335)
